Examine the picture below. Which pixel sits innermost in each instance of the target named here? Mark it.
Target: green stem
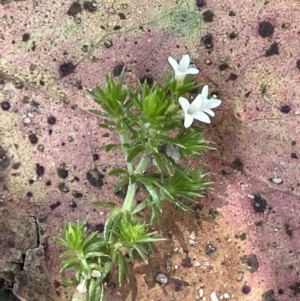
(124, 140)
(141, 167)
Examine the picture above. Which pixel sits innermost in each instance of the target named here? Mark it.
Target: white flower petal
(192, 70)
(184, 103)
(197, 103)
(173, 63)
(188, 120)
(179, 75)
(204, 92)
(199, 115)
(209, 112)
(184, 63)
(213, 103)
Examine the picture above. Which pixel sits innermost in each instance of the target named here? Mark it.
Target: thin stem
(124, 140)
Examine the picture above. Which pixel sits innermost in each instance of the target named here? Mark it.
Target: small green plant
(152, 133)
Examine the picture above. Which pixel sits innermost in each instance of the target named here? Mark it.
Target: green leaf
(142, 252)
(95, 254)
(134, 152)
(96, 112)
(110, 146)
(98, 244)
(117, 171)
(123, 268)
(71, 265)
(70, 282)
(92, 289)
(105, 204)
(89, 239)
(112, 218)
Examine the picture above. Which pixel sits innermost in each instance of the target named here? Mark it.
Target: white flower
(183, 68)
(81, 287)
(199, 108)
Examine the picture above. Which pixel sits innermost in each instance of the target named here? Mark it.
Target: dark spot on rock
(251, 262)
(259, 203)
(41, 147)
(62, 172)
(66, 68)
(232, 13)
(298, 64)
(29, 194)
(273, 49)
(232, 35)
(207, 40)
(95, 157)
(33, 138)
(248, 94)
(77, 194)
(99, 228)
(48, 183)
(4, 159)
(178, 285)
(280, 291)
(293, 142)
(55, 205)
(210, 248)
(63, 188)
(122, 16)
(90, 6)
(5, 105)
(50, 131)
(265, 29)
(39, 169)
(285, 109)
(237, 164)
(51, 120)
(223, 66)
(95, 178)
(16, 165)
(31, 181)
(108, 43)
(33, 46)
(233, 76)
(25, 37)
(18, 84)
(118, 69)
(74, 9)
(200, 3)
(121, 193)
(288, 230)
(269, 296)
(213, 213)
(246, 289)
(72, 204)
(147, 78)
(186, 262)
(241, 236)
(208, 16)
(294, 156)
(117, 27)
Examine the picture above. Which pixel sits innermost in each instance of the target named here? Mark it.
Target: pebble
(161, 278)
(201, 292)
(213, 296)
